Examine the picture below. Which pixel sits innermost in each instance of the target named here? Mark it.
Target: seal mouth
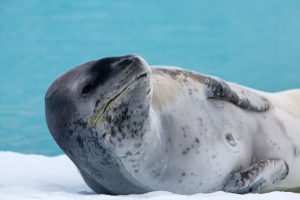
(100, 112)
(144, 75)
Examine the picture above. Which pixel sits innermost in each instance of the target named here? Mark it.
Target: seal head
(85, 112)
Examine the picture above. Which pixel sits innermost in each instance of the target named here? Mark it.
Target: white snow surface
(39, 177)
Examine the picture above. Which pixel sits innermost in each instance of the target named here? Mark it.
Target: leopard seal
(131, 128)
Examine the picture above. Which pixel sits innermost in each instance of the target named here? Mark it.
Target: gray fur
(131, 129)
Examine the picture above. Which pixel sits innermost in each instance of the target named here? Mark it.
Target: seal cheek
(59, 109)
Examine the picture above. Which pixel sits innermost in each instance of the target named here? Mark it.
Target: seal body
(130, 129)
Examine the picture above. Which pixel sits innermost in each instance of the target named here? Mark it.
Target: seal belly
(205, 140)
(202, 156)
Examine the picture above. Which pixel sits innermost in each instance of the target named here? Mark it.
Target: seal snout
(130, 59)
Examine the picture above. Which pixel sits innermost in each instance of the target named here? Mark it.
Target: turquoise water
(252, 42)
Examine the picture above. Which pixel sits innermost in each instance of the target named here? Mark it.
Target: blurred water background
(252, 42)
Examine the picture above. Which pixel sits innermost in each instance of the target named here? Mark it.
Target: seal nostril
(125, 62)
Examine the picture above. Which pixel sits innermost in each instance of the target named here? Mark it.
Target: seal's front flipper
(258, 177)
(242, 97)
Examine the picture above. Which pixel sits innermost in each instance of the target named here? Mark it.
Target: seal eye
(87, 88)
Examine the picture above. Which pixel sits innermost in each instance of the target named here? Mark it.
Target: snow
(40, 177)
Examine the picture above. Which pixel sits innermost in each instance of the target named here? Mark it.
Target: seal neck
(154, 157)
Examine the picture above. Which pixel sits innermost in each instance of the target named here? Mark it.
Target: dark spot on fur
(81, 123)
(113, 132)
(70, 132)
(186, 151)
(183, 174)
(197, 140)
(230, 139)
(197, 77)
(138, 145)
(172, 73)
(296, 152)
(96, 104)
(104, 135)
(80, 141)
(123, 135)
(157, 174)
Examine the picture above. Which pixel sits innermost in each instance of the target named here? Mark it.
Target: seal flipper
(258, 177)
(246, 99)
